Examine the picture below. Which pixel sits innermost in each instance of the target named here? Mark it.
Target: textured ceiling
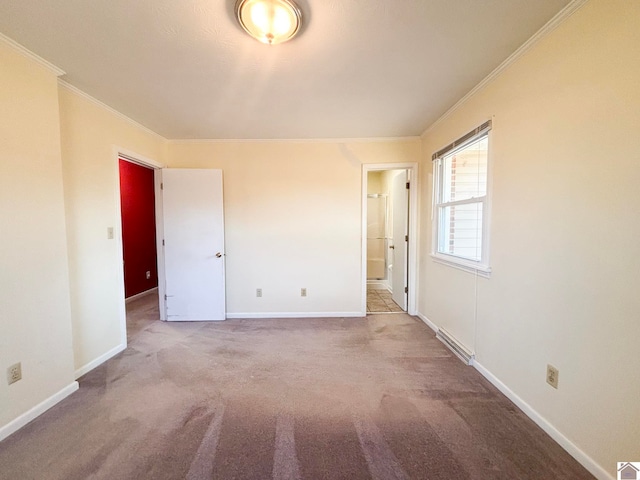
(360, 68)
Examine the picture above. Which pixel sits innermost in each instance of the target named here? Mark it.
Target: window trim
(481, 267)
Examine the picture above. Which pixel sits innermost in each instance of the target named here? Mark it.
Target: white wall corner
(16, 424)
(99, 361)
(586, 461)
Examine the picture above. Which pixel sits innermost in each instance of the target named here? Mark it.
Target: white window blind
(460, 200)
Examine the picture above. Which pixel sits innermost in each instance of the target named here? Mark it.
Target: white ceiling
(360, 68)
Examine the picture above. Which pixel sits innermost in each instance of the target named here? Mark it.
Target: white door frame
(133, 157)
(412, 251)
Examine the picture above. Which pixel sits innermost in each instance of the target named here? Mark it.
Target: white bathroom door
(193, 227)
(400, 212)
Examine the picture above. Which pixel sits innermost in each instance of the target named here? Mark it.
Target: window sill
(464, 265)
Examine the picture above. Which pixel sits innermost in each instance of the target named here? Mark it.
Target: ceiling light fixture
(269, 21)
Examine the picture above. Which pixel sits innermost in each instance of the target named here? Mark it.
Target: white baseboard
(16, 424)
(141, 294)
(98, 361)
(585, 460)
(455, 346)
(429, 323)
(294, 315)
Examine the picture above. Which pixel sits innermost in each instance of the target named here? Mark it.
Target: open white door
(193, 225)
(400, 207)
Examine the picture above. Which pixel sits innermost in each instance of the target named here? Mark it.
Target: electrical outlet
(148, 274)
(109, 233)
(303, 292)
(14, 373)
(258, 292)
(552, 376)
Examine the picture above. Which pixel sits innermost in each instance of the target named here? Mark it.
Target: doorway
(138, 223)
(139, 244)
(169, 186)
(146, 291)
(389, 238)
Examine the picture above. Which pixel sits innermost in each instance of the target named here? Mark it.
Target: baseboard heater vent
(455, 346)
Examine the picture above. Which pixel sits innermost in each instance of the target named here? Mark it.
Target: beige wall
(374, 180)
(292, 219)
(90, 134)
(564, 231)
(35, 319)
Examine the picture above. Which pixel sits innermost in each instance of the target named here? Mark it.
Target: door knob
(218, 255)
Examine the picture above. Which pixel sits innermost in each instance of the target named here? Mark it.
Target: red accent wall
(138, 227)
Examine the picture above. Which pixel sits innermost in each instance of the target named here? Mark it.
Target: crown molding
(298, 140)
(548, 27)
(111, 110)
(58, 72)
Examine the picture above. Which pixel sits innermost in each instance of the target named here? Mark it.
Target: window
(460, 202)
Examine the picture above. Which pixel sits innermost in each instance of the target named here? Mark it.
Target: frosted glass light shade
(269, 21)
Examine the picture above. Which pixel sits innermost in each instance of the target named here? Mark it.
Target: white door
(400, 213)
(193, 226)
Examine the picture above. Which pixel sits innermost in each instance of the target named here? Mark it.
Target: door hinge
(163, 242)
(161, 186)
(408, 185)
(406, 238)
(165, 297)
(406, 289)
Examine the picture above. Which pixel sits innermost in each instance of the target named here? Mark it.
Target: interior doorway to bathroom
(387, 215)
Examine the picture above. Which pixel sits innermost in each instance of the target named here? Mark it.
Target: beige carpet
(376, 398)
